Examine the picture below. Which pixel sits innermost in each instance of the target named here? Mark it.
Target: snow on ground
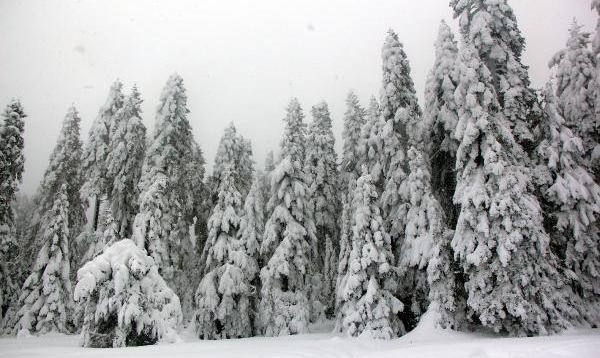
(424, 341)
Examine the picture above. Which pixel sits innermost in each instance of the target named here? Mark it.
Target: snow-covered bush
(127, 303)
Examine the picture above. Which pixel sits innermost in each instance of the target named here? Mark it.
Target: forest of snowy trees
(482, 205)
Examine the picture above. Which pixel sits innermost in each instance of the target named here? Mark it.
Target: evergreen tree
(401, 114)
(97, 148)
(124, 160)
(46, 297)
(576, 86)
(289, 238)
(322, 182)
(11, 172)
(572, 202)
(511, 278)
(491, 27)
(235, 149)
(440, 120)
(368, 305)
(127, 303)
(224, 294)
(403, 127)
(425, 227)
(167, 195)
(354, 120)
(63, 169)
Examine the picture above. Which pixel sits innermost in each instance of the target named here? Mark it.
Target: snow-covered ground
(424, 341)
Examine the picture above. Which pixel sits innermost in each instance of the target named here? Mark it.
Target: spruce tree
(402, 116)
(166, 201)
(368, 307)
(124, 160)
(63, 169)
(97, 149)
(440, 117)
(12, 163)
(571, 198)
(512, 283)
(289, 238)
(491, 27)
(354, 119)
(224, 295)
(322, 181)
(576, 87)
(46, 301)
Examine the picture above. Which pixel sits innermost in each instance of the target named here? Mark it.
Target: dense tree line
(482, 207)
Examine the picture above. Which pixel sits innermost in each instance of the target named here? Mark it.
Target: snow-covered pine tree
(166, 201)
(124, 160)
(354, 120)
(425, 228)
(322, 181)
(576, 87)
(97, 148)
(11, 171)
(368, 305)
(63, 169)
(224, 294)
(402, 115)
(289, 239)
(512, 282)
(12, 160)
(252, 221)
(440, 117)
(269, 162)
(127, 302)
(46, 301)
(491, 27)
(571, 198)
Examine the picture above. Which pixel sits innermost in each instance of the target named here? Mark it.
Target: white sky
(241, 61)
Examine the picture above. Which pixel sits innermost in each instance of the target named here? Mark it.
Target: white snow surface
(423, 341)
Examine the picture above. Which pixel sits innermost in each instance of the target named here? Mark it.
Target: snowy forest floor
(424, 341)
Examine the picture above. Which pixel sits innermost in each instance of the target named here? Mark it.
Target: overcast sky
(241, 61)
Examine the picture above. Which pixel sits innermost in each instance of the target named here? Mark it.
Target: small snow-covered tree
(224, 294)
(572, 201)
(124, 160)
(127, 302)
(512, 281)
(97, 149)
(576, 87)
(11, 171)
(252, 221)
(289, 238)
(235, 149)
(106, 234)
(45, 301)
(322, 180)
(368, 305)
(167, 195)
(440, 118)
(491, 27)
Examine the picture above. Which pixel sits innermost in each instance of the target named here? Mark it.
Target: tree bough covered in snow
(127, 302)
